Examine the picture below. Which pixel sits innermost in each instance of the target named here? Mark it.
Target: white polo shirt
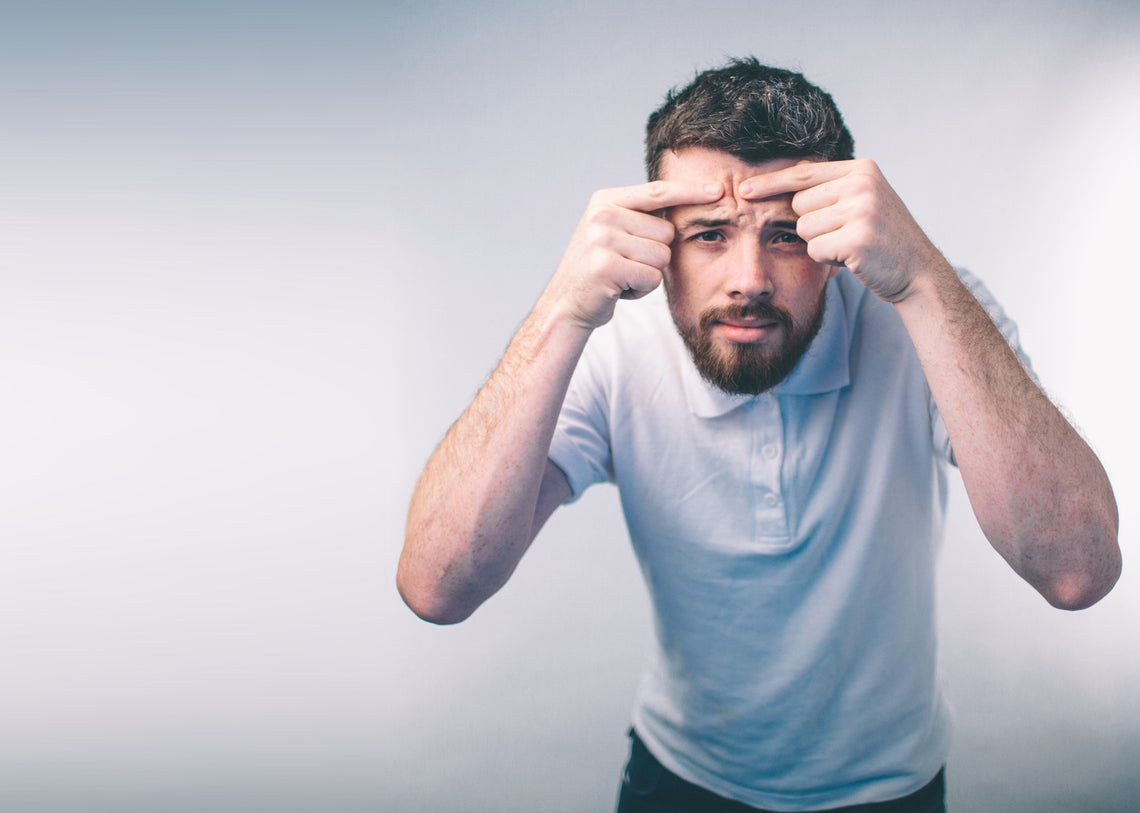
(788, 544)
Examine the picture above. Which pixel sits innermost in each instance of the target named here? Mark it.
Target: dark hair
(749, 110)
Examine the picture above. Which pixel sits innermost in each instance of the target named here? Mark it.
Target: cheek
(683, 304)
(676, 280)
(815, 300)
(689, 271)
(805, 300)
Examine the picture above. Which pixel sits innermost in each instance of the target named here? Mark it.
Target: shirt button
(771, 500)
(771, 451)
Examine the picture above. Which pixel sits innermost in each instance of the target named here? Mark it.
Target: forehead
(704, 164)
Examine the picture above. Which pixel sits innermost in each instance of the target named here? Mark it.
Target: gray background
(255, 257)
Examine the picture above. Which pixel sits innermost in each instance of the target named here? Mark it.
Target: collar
(823, 368)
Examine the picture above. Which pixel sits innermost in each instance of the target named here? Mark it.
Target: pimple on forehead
(736, 210)
(735, 204)
(702, 164)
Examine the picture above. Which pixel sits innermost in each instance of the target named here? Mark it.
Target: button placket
(767, 464)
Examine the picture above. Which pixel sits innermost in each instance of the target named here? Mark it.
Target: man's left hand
(849, 215)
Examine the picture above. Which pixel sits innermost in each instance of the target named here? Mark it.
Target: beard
(749, 369)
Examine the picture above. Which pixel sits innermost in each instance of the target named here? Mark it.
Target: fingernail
(712, 189)
(746, 189)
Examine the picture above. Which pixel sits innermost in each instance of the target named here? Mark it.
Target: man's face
(744, 294)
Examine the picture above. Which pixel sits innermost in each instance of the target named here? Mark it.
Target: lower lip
(745, 335)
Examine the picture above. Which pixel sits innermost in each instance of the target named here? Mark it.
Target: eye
(710, 236)
(788, 237)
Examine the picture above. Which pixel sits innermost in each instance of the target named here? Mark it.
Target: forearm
(472, 514)
(1040, 494)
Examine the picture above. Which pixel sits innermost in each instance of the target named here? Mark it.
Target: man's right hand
(622, 246)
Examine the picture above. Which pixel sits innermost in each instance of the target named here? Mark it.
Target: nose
(749, 277)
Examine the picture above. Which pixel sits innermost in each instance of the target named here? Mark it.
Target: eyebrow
(706, 222)
(718, 222)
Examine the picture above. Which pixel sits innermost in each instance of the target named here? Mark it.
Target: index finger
(793, 179)
(656, 195)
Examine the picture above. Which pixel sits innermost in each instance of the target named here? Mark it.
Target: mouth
(753, 323)
(746, 331)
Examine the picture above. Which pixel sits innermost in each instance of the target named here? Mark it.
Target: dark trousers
(649, 787)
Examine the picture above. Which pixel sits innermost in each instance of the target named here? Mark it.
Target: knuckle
(803, 172)
(599, 197)
(656, 190)
(663, 231)
(661, 255)
(605, 214)
(868, 170)
(863, 234)
(599, 235)
(816, 251)
(595, 230)
(598, 260)
(865, 194)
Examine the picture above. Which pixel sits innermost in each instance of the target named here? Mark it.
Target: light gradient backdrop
(256, 256)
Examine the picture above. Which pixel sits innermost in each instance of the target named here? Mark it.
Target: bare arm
(1037, 489)
(489, 487)
(1039, 493)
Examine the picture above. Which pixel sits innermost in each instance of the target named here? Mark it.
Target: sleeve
(1008, 330)
(581, 443)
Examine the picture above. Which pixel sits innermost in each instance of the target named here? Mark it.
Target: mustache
(754, 310)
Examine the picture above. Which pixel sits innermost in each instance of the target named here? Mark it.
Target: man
(779, 426)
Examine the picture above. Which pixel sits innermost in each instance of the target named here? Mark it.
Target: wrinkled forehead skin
(704, 164)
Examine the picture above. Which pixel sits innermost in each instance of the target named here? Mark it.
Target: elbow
(430, 608)
(427, 596)
(1071, 558)
(1078, 591)
(1078, 588)
(429, 604)
(435, 613)
(1072, 595)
